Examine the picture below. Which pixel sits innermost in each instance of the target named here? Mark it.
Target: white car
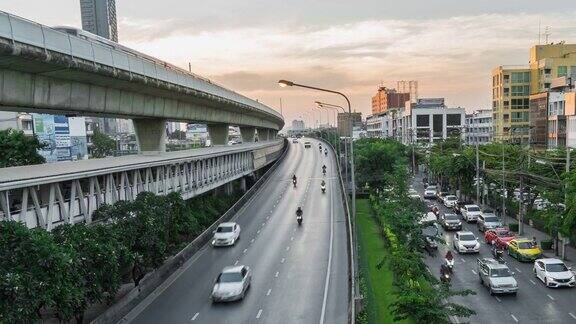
(470, 213)
(226, 234)
(307, 144)
(554, 273)
(294, 140)
(430, 192)
(466, 242)
(450, 201)
(231, 284)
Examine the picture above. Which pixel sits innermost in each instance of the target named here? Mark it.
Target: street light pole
(477, 174)
(335, 108)
(285, 83)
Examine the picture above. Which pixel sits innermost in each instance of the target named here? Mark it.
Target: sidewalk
(529, 232)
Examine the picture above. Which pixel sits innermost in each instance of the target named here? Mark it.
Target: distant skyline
(449, 46)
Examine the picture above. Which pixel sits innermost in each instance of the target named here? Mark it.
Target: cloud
(450, 57)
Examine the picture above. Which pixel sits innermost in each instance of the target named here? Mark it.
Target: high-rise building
(386, 98)
(519, 94)
(344, 122)
(511, 103)
(99, 18)
(551, 61)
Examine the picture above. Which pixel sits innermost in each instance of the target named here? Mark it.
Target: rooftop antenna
(539, 31)
(281, 113)
(547, 33)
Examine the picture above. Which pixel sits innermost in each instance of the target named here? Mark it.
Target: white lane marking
(532, 281)
(474, 272)
(236, 263)
(282, 261)
(463, 261)
(258, 232)
(245, 250)
(263, 223)
(514, 318)
(268, 292)
(292, 238)
(572, 315)
(252, 241)
(287, 248)
(259, 313)
(327, 284)
(276, 274)
(551, 298)
(519, 271)
(498, 298)
(194, 317)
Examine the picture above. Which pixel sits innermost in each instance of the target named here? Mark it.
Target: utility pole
(503, 189)
(521, 206)
(566, 198)
(477, 175)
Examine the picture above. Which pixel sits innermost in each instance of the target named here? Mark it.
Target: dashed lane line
(276, 274)
(245, 250)
(282, 261)
(474, 272)
(236, 263)
(259, 313)
(551, 298)
(195, 317)
(519, 271)
(268, 292)
(498, 299)
(532, 281)
(572, 315)
(514, 318)
(287, 248)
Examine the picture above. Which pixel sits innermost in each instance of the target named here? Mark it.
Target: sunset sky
(449, 46)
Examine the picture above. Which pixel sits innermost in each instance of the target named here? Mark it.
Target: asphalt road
(534, 303)
(299, 273)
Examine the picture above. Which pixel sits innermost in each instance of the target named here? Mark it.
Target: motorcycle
(299, 219)
(326, 152)
(498, 254)
(294, 182)
(324, 172)
(446, 277)
(449, 265)
(323, 187)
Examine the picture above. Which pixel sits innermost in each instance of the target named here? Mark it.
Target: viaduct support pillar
(243, 184)
(263, 134)
(218, 134)
(150, 134)
(248, 134)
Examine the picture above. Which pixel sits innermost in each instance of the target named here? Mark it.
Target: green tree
(102, 144)
(99, 258)
(18, 149)
(177, 135)
(35, 274)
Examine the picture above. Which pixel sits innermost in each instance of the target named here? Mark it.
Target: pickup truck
(496, 276)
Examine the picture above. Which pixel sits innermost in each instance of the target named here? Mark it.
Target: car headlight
(550, 278)
(477, 246)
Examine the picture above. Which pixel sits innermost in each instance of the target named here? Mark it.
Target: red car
(499, 236)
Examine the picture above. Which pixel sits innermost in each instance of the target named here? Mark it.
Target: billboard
(64, 138)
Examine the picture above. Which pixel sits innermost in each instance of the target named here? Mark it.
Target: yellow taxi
(524, 249)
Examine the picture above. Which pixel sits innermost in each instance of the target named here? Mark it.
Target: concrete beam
(150, 135)
(218, 134)
(248, 134)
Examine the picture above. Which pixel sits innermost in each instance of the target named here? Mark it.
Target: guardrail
(17, 29)
(350, 246)
(153, 280)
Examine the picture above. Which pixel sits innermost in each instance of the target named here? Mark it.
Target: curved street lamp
(286, 83)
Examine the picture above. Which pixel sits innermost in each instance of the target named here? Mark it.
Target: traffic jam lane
(534, 302)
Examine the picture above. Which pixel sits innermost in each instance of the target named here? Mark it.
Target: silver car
(226, 234)
(496, 277)
(488, 220)
(232, 284)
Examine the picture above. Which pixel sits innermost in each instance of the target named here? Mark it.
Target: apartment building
(479, 127)
(511, 103)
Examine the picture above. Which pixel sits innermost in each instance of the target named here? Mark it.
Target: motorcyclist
(323, 185)
(325, 151)
(449, 256)
(324, 168)
(294, 178)
(299, 211)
